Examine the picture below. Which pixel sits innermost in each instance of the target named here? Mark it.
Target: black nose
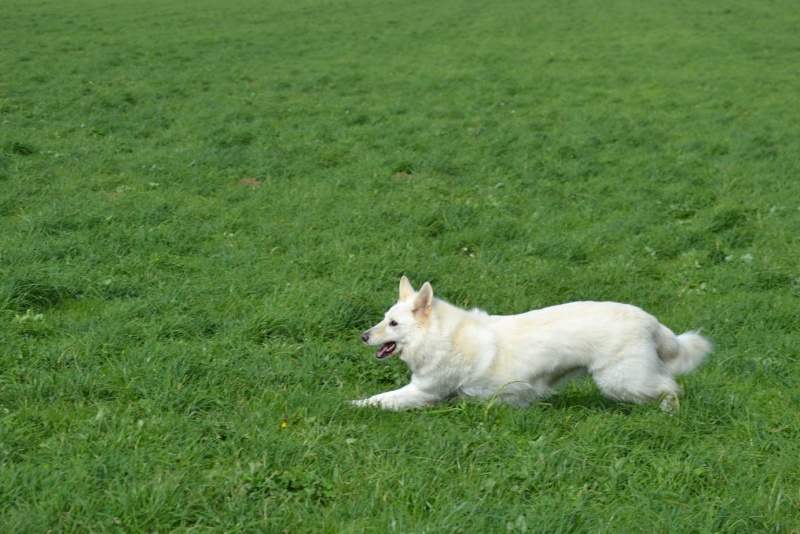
(365, 337)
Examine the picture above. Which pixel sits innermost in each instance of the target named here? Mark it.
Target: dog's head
(403, 323)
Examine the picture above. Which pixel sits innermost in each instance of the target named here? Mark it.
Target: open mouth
(386, 351)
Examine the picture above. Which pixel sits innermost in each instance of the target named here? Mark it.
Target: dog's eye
(392, 323)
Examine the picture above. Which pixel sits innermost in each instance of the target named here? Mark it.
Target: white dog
(520, 358)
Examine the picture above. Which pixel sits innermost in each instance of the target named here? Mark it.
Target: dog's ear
(406, 290)
(423, 300)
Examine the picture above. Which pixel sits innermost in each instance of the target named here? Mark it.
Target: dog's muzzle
(386, 350)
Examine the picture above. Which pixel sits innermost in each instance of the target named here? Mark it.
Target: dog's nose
(365, 336)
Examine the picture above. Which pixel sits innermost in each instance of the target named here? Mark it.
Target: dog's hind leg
(638, 377)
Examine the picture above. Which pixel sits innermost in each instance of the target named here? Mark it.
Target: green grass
(202, 204)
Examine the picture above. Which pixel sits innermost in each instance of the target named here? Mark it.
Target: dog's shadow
(595, 402)
(564, 401)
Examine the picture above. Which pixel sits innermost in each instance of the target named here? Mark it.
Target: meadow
(202, 205)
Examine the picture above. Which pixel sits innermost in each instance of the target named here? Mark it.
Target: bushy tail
(684, 353)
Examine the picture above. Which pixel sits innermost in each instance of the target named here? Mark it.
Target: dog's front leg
(406, 397)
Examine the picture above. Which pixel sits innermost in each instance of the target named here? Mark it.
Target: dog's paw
(670, 404)
(360, 402)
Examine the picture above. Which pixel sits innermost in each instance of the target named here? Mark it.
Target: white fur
(520, 358)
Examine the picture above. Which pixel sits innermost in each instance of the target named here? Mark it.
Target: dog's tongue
(385, 351)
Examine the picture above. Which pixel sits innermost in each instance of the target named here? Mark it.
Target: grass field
(203, 203)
